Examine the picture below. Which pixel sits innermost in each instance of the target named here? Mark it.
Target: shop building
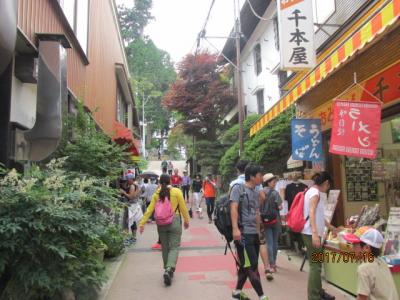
(360, 63)
(368, 48)
(53, 54)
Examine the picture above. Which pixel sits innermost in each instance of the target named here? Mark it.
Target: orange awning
(385, 17)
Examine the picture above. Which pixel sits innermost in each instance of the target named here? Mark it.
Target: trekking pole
(304, 261)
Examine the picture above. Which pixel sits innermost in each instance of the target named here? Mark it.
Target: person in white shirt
(375, 281)
(313, 232)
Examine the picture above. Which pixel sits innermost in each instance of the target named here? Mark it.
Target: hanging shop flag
(356, 127)
(306, 140)
(296, 34)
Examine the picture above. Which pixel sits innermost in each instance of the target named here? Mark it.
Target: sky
(177, 23)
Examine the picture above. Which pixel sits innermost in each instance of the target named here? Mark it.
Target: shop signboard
(384, 85)
(378, 171)
(330, 204)
(296, 34)
(356, 128)
(307, 140)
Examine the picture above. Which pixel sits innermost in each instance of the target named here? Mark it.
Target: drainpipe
(8, 31)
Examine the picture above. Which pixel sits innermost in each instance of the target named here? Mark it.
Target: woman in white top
(313, 232)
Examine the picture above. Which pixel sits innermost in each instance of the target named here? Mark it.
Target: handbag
(269, 215)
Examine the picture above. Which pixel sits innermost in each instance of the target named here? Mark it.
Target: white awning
(293, 164)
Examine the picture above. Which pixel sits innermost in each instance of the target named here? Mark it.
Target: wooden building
(57, 52)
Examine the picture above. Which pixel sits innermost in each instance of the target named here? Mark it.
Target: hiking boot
(268, 275)
(326, 296)
(240, 296)
(167, 278)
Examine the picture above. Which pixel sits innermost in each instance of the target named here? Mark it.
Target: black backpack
(222, 217)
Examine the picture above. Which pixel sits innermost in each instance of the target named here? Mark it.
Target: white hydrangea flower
(54, 182)
(11, 179)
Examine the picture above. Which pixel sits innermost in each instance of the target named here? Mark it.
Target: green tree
(270, 147)
(134, 20)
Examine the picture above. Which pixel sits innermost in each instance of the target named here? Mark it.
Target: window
(77, 14)
(122, 108)
(257, 59)
(260, 101)
(323, 10)
(276, 32)
(82, 23)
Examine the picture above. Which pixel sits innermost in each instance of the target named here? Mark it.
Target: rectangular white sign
(296, 34)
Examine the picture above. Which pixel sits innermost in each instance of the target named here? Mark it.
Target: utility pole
(143, 129)
(238, 75)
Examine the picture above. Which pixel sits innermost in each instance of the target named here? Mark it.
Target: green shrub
(51, 222)
(114, 239)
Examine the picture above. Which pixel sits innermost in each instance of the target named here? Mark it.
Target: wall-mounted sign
(384, 85)
(296, 34)
(306, 140)
(356, 128)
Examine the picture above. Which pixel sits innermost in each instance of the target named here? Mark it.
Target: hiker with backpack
(168, 206)
(270, 205)
(309, 219)
(245, 220)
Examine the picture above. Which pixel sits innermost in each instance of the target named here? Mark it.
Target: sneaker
(156, 246)
(264, 298)
(167, 278)
(326, 296)
(171, 272)
(268, 275)
(273, 268)
(209, 221)
(240, 296)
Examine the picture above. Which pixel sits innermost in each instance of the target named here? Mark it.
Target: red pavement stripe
(199, 231)
(197, 277)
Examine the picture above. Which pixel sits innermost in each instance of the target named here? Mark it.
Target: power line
(255, 13)
(203, 30)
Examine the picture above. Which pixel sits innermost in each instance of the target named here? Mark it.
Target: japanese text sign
(356, 128)
(296, 34)
(306, 140)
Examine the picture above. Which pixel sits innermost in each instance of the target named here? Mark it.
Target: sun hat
(373, 238)
(268, 177)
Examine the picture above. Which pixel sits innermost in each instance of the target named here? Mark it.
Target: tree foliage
(134, 20)
(153, 71)
(270, 147)
(200, 95)
(152, 67)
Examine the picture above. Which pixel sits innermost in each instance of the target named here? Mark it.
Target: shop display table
(344, 275)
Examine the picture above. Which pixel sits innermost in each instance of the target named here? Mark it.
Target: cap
(268, 177)
(129, 176)
(373, 238)
(351, 238)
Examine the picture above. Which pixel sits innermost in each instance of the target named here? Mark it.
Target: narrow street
(203, 271)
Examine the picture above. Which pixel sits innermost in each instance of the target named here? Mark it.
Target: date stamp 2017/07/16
(339, 257)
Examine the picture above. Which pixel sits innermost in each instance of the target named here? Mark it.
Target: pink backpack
(163, 212)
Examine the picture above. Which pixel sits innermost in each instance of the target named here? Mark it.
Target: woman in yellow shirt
(170, 235)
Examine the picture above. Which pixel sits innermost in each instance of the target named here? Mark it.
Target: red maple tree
(201, 94)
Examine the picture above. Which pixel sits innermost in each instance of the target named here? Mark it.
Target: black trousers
(250, 244)
(185, 191)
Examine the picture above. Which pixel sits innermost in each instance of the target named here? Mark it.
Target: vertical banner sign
(296, 34)
(307, 139)
(356, 128)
